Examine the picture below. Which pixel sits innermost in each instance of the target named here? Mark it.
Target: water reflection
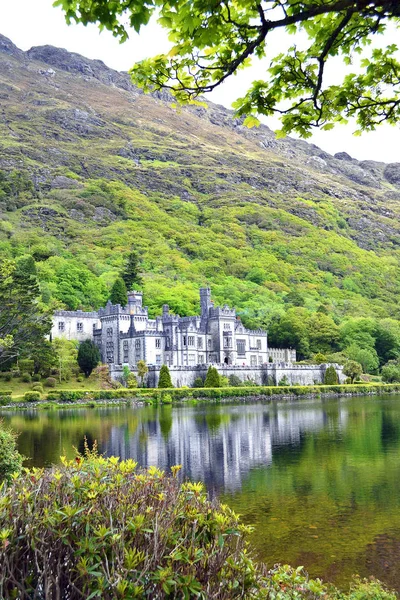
(320, 482)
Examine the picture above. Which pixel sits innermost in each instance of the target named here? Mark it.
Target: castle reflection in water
(217, 445)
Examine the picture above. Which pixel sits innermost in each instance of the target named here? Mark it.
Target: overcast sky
(35, 22)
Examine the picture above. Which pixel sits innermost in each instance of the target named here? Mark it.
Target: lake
(320, 481)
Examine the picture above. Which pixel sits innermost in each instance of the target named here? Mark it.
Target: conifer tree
(88, 356)
(331, 377)
(118, 294)
(212, 378)
(165, 378)
(131, 272)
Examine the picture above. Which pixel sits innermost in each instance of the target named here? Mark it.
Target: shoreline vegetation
(92, 398)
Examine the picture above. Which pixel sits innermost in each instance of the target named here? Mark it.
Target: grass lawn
(18, 387)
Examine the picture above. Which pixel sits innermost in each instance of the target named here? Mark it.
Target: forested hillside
(91, 169)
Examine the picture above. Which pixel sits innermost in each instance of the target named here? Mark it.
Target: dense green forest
(91, 171)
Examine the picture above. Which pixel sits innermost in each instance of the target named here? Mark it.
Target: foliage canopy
(212, 41)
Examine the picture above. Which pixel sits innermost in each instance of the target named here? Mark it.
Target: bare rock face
(62, 182)
(342, 156)
(392, 173)
(7, 47)
(59, 58)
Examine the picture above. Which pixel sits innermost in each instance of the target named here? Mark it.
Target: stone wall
(270, 374)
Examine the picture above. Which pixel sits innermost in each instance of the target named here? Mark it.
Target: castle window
(241, 347)
(228, 342)
(158, 343)
(253, 360)
(184, 340)
(191, 340)
(260, 360)
(109, 332)
(199, 342)
(227, 326)
(61, 326)
(126, 351)
(209, 343)
(201, 359)
(137, 344)
(79, 326)
(192, 359)
(167, 341)
(158, 359)
(259, 344)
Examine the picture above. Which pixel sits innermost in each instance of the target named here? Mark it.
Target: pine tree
(331, 377)
(118, 294)
(165, 378)
(212, 378)
(131, 272)
(88, 356)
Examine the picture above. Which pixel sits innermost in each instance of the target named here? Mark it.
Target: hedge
(177, 394)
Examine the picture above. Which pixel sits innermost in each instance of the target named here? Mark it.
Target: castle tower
(205, 301)
(135, 300)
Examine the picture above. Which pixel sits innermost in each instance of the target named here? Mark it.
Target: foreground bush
(98, 528)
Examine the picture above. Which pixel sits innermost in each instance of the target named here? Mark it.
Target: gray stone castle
(188, 345)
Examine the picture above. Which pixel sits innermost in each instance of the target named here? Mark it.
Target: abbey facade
(126, 335)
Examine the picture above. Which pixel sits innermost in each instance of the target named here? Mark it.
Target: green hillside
(91, 168)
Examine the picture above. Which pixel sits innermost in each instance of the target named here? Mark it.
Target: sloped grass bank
(98, 528)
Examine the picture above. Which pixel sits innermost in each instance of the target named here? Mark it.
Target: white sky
(35, 22)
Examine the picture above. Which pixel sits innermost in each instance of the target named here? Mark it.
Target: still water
(319, 481)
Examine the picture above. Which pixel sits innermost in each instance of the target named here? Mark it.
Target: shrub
(50, 382)
(165, 378)
(26, 378)
(7, 375)
(212, 378)
(223, 381)
(120, 534)
(198, 383)
(234, 381)
(166, 399)
(10, 458)
(284, 381)
(36, 377)
(37, 387)
(331, 377)
(79, 379)
(249, 383)
(131, 381)
(32, 396)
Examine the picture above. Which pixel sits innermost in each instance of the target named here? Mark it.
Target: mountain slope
(91, 167)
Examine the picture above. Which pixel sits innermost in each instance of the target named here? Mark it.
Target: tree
(142, 370)
(10, 458)
(88, 356)
(165, 378)
(391, 372)
(290, 330)
(24, 321)
(367, 357)
(213, 40)
(66, 356)
(212, 379)
(352, 369)
(319, 358)
(331, 377)
(131, 273)
(119, 294)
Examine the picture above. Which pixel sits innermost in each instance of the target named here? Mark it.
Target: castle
(125, 335)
